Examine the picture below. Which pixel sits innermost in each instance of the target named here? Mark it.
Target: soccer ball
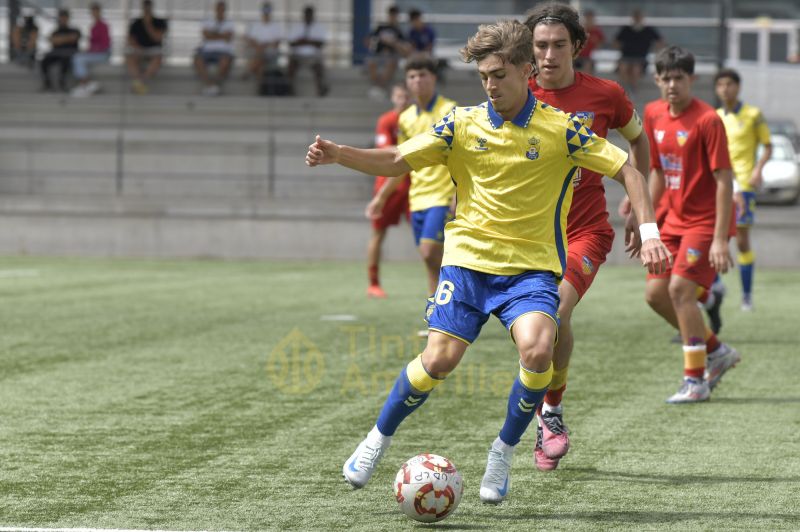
(428, 488)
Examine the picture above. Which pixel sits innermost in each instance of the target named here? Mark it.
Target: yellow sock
(419, 377)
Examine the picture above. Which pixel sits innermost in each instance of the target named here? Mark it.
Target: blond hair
(509, 39)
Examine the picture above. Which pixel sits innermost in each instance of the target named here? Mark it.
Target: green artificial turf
(225, 395)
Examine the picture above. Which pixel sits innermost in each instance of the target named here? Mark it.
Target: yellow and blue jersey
(513, 183)
(431, 186)
(746, 129)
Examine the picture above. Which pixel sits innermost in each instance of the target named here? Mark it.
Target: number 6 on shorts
(444, 293)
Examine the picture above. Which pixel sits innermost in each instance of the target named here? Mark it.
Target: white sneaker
(80, 92)
(718, 362)
(747, 304)
(211, 90)
(691, 391)
(377, 94)
(497, 479)
(92, 87)
(362, 463)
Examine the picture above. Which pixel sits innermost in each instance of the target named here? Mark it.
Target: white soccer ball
(428, 488)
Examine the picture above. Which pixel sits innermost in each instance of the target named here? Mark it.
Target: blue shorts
(428, 224)
(747, 216)
(465, 299)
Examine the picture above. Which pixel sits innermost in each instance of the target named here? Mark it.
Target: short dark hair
(421, 62)
(63, 12)
(414, 14)
(674, 58)
(556, 13)
(728, 73)
(393, 10)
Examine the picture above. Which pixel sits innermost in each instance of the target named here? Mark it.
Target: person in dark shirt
(65, 43)
(145, 46)
(421, 35)
(634, 42)
(387, 44)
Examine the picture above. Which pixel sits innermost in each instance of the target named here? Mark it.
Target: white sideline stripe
(18, 273)
(22, 529)
(338, 317)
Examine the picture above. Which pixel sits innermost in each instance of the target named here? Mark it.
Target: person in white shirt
(217, 48)
(263, 39)
(306, 41)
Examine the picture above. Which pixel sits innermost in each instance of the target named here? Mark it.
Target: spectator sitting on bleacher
(217, 49)
(305, 42)
(99, 52)
(634, 42)
(145, 41)
(594, 38)
(65, 43)
(387, 45)
(263, 40)
(421, 35)
(23, 42)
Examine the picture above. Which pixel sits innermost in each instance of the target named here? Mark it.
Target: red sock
(373, 275)
(553, 397)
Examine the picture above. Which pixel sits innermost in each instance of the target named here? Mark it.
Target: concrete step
(461, 85)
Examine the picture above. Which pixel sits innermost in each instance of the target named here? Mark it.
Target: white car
(781, 173)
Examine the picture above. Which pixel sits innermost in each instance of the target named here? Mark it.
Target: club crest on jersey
(533, 149)
(660, 135)
(481, 144)
(586, 118)
(693, 255)
(586, 265)
(682, 136)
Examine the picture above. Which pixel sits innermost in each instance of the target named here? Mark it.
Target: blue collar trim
(430, 105)
(522, 119)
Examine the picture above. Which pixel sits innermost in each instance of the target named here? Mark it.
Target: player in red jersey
(710, 300)
(397, 204)
(689, 156)
(600, 105)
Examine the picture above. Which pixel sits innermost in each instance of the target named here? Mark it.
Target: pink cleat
(376, 291)
(555, 442)
(543, 463)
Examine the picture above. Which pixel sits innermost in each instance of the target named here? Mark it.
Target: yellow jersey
(746, 129)
(431, 186)
(513, 183)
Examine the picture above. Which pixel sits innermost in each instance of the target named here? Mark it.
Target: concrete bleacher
(174, 157)
(175, 174)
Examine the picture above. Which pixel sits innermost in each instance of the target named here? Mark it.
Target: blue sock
(402, 400)
(522, 405)
(746, 272)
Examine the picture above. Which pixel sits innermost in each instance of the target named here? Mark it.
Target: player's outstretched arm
(654, 254)
(383, 161)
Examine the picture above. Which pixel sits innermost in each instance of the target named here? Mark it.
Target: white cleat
(497, 479)
(691, 391)
(362, 463)
(719, 362)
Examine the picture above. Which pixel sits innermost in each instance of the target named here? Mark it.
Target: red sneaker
(555, 442)
(543, 463)
(376, 291)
